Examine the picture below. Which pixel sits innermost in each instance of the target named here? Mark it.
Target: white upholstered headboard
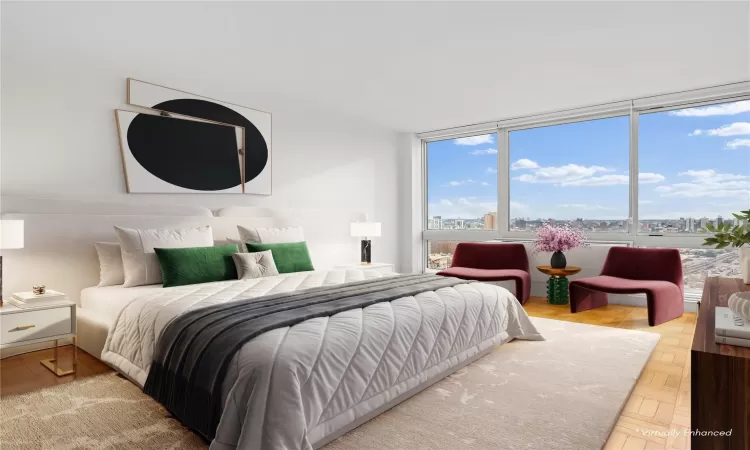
(59, 246)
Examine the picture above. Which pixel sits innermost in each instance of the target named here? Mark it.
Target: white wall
(59, 138)
(339, 79)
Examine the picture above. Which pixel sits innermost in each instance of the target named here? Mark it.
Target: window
(440, 254)
(694, 167)
(699, 263)
(462, 183)
(676, 162)
(575, 173)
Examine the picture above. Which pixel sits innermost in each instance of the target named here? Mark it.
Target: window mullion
(503, 182)
(633, 220)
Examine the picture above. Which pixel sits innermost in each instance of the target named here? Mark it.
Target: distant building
(435, 223)
(490, 221)
(691, 225)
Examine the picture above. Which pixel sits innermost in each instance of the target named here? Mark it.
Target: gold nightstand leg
(51, 364)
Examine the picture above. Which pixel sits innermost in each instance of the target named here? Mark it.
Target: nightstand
(377, 267)
(24, 326)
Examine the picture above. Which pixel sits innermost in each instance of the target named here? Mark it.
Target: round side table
(557, 285)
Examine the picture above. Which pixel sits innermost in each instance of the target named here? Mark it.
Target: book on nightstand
(29, 299)
(731, 329)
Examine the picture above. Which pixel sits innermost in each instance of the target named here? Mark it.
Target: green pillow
(289, 257)
(193, 265)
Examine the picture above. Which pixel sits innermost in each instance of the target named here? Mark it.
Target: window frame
(633, 108)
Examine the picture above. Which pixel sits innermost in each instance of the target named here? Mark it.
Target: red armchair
(656, 272)
(485, 261)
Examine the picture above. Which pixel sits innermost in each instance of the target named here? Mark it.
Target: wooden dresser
(720, 376)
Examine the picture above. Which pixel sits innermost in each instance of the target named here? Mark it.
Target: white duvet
(299, 387)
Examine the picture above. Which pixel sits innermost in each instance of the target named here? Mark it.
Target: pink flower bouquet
(557, 240)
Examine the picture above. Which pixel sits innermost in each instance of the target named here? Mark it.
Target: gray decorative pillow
(255, 265)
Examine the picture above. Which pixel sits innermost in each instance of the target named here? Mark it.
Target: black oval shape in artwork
(256, 149)
(186, 153)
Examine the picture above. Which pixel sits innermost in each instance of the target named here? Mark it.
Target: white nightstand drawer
(36, 324)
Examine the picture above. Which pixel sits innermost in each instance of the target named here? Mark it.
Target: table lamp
(11, 237)
(365, 230)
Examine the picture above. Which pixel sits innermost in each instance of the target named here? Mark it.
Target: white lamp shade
(11, 234)
(365, 229)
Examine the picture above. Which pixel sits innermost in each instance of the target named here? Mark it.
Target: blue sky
(693, 162)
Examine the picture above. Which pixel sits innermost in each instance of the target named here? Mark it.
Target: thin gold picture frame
(243, 149)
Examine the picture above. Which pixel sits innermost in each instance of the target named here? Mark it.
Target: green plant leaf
(710, 241)
(728, 234)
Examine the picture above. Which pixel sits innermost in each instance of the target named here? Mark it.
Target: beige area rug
(101, 412)
(562, 393)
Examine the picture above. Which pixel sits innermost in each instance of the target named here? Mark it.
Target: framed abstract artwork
(193, 144)
(171, 155)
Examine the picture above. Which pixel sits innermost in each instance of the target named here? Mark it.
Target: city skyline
(489, 222)
(693, 162)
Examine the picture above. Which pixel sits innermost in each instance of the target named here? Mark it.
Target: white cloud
(491, 170)
(459, 183)
(518, 206)
(710, 175)
(484, 183)
(708, 183)
(585, 207)
(727, 109)
(737, 143)
(524, 163)
(487, 151)
(462, 208)
(576, 175)
(561, 174)
(735, 129)
(475, 140)
(649, 178)
(604, 180)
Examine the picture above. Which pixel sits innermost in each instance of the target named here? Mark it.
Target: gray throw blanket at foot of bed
(192, 354)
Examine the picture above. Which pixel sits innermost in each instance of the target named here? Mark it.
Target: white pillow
(242, 248)
(111, 272)
(271, 235)
(255, 265)
(139, 261)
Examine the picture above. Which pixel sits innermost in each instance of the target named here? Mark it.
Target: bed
(302, 386)
(352, 366)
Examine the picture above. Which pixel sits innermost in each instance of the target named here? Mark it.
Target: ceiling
(401, 66)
